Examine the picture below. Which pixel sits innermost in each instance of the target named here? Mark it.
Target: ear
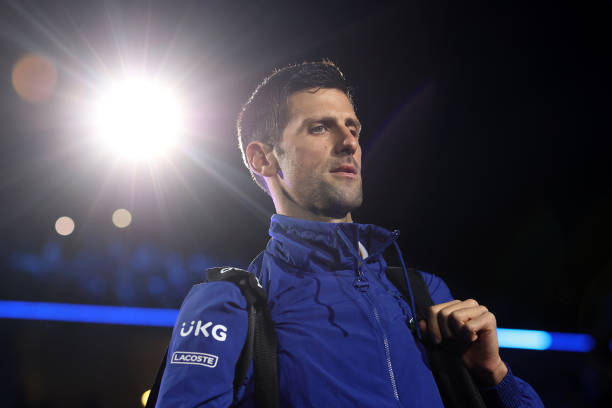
(261, 159)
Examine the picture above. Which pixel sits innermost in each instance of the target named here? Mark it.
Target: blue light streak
(572, 342)
(140, 316)
(523, 339)
(542, 340)
(65, 312)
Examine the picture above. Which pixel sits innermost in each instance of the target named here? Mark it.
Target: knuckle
(455, 315)
(470, 327)
(492, 317)
(471, 302)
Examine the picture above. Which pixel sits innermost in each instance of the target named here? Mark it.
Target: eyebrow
(329, 119)
(354, 122)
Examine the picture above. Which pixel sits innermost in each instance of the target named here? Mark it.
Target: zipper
(387, 355)
(361, 283)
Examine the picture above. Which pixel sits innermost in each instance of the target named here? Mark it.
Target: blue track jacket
(343, 329)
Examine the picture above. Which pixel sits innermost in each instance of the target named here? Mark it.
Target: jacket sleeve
(206, 342)
(438, 290)
(511, 392)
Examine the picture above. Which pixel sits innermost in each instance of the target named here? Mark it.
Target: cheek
(309, 158)
(358, 156)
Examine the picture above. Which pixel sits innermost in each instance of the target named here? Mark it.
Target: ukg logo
(218, 331)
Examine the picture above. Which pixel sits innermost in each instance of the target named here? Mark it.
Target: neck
(308, 216)
(295, 211)
(287, 206)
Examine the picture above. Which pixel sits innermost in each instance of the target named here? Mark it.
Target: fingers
(459, 320)
(465, 323)
(474, 329)
(454, 316)
(484, 325)
(433, 325)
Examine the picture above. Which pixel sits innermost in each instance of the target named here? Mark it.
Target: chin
(341, 208)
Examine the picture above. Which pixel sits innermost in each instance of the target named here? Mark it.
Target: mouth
(345, 169)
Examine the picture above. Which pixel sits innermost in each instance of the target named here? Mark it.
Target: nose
(347, 141)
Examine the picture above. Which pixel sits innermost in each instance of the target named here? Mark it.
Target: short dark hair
(264, 116)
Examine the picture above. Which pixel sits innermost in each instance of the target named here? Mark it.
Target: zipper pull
(412, 325)
(361, 283)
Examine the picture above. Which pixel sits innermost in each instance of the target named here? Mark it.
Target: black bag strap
(261, 343)
(456, 385)
(422, 300)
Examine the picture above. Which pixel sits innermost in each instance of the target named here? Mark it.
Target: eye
(318, 129)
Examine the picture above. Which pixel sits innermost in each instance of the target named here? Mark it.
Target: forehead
(314, 102)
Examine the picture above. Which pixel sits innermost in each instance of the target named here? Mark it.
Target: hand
(474, 328)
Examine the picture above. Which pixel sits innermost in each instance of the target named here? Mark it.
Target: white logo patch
(219, 331)
(190, 357)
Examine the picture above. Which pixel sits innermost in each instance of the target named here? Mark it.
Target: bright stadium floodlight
(139, 119)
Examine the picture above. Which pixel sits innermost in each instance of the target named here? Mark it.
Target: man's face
(319, 153)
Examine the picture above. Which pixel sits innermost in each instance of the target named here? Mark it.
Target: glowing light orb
(122, 218)
(145, 397)
(139, 119)
(34, 77)
(64, 226)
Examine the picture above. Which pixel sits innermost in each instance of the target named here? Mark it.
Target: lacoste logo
(188, 357)
(218, 331)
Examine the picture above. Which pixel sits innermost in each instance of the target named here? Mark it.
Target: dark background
(486, 142)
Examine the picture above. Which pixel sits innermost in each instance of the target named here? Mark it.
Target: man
(345, 333)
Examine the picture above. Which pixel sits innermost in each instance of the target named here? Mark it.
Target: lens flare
(139, 119)
(122, 218)
(64, 226)
(34, 77)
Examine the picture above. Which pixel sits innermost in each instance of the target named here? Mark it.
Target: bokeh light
(122, 218)
(145, 397)
(138, 119)
(34, 77)
(64, 226)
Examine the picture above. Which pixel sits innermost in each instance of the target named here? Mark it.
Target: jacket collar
(304, 243)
